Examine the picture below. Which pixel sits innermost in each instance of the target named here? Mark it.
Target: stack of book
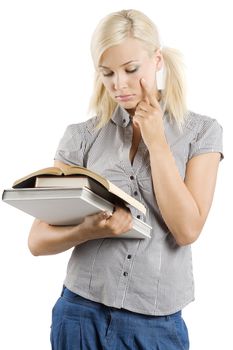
(65, 196)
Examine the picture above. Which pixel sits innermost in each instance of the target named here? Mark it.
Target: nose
(120, 81)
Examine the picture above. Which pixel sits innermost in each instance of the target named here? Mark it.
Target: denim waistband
(76, 298)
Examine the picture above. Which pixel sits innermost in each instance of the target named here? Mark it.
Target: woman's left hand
(149, 118)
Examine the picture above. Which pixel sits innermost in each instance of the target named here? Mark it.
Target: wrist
(159, 148)
(78, 234)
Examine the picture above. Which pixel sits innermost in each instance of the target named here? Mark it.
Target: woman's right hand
(105, 224)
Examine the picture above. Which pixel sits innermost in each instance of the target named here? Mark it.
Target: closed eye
(107, 74)
(127, 71)
(132, 70)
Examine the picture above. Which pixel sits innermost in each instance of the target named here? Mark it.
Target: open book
(97, 183)
(65, 196)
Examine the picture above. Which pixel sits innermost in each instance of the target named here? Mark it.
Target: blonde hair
(113, 30)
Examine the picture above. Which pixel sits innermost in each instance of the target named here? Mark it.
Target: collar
(121, 117)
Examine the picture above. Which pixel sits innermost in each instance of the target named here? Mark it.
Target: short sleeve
(209, 138)
(71, 147)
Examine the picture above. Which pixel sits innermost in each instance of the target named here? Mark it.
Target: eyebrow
(124, 64)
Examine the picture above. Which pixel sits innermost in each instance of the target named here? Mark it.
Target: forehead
(129, 50)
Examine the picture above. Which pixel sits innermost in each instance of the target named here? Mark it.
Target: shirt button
(135, 193)
(125, 273)
(131, 177)
(124, 120)
(138, 216)
(129, 256)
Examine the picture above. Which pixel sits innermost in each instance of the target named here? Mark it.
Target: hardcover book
(65, 196)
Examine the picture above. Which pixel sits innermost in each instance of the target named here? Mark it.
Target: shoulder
(75, 140)
(85, 128)
(200, 122)
(204, 134)
(79, 134)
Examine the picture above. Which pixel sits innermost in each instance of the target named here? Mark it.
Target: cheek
(148, 73)
(107, 84)
(149, 77)
(134, 81)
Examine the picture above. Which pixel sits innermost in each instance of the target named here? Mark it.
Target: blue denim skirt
(81, 324)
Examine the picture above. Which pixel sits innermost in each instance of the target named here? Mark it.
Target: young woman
(129, 293)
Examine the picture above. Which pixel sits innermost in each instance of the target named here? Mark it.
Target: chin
(128, 104)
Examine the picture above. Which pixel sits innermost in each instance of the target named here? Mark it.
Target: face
(121, 68)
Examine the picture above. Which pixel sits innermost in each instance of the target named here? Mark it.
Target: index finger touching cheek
(147, 94)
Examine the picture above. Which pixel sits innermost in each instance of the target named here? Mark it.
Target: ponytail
(174, 93)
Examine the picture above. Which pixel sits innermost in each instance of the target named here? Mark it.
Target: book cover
(66, 206)
(78, 181)
(29, 181)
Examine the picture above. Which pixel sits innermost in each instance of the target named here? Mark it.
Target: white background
(46, 79)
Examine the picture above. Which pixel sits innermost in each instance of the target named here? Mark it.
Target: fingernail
(106, 214)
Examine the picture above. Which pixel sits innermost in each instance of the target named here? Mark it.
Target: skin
(122, 78)
(184, 204)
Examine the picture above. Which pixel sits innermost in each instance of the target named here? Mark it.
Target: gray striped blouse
(150, 276)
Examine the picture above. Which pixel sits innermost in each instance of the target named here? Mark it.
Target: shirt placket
(131, 171)
(125, 274)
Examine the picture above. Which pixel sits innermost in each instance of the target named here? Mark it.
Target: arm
(45, 239)
(184, 205)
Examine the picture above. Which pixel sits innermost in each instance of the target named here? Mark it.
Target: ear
(158, 59)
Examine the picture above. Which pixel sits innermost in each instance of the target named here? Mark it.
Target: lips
(125, 97)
